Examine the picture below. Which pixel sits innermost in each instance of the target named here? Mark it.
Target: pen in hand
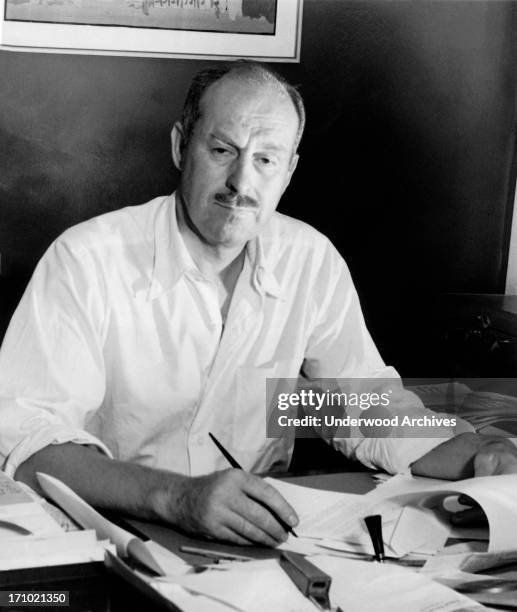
(237, 466)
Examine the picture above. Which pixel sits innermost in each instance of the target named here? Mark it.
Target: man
(145, 329)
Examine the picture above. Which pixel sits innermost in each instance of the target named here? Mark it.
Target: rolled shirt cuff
(46, 436)
(395, 455)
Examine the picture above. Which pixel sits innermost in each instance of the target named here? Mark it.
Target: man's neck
(221, 265)
(216, 262)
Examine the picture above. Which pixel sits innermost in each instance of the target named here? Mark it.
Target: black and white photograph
(226, 29)
(258, 305)
(240, 16)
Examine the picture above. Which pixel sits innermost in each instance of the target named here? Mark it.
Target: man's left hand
(465, 456)
(468, 455)
(497, 456)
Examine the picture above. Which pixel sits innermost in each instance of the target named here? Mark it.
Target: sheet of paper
(497, 495)
(11, 493)
(363, 587)
(39, 524)
(418, 530)
(356, 587)
(472, 562)
(190, 602)
(335, 516)
(254, 586)
(322, 513)
(29, 551)
(20, 507)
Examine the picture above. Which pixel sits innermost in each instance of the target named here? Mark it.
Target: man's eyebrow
(226, 139)
(267, 146)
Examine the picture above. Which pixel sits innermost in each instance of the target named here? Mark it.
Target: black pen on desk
(236, 465)
(215, 554)
(374, 526)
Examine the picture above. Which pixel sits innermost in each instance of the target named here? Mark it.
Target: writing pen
(237, 466)
(215, 554)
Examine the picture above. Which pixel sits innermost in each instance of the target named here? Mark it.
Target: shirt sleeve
(52, 374)
(341, 349)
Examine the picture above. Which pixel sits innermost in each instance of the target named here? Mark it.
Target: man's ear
(177, 144)
(292, 167)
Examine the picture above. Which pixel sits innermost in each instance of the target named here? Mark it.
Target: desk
(97, 591)
(93, 589)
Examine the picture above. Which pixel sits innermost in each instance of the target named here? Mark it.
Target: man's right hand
(231, 505)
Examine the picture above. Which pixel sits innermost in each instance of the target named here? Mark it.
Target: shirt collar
(263, 277)
(172, 258)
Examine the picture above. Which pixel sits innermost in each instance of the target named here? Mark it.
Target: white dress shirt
(118, 342)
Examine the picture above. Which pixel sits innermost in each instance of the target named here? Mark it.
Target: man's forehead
(240, 100)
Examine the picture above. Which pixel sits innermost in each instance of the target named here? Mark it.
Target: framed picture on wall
(219, 29)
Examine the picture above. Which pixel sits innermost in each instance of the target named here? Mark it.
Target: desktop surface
(93, 589)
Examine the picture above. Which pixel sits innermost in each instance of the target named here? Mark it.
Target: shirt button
(200, 440)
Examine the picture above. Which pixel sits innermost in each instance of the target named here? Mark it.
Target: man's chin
(232, 239)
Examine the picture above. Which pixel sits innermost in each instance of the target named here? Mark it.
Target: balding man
(144, 329)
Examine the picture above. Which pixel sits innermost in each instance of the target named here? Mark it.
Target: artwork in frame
(217, 29)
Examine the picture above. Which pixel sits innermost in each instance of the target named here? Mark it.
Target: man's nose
(239, 179)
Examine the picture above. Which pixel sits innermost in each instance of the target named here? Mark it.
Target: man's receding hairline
(238, 77)
(254, 72)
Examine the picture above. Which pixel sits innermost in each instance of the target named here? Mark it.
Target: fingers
(465, 500)
(470, 517)
(262, 507)
(253, 530)
(496, 457)
(485, 463)
(268, 497)
(455, 458)
(235, 506)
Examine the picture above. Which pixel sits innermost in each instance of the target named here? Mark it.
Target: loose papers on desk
(411, 510)
(357, 586)
(47, 543)
(336, 520)
(497, 496)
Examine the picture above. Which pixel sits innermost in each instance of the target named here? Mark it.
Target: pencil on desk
(236, 465)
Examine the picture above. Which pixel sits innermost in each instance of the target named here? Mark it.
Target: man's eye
(266, 161)
(220, 151)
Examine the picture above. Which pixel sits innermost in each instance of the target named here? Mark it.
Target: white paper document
(330, 515)
(357, 586)
(497, 496)
(64, 549)
(337, 519)
(254, 586)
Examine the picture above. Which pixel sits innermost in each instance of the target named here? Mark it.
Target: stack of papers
(356, 586)
(31, 537)
(335, 521)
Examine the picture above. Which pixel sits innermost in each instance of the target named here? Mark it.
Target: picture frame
(267, 30)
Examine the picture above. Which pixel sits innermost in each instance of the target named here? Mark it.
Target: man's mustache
(230, 199)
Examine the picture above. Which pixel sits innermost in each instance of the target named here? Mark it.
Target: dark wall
(407, 163)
